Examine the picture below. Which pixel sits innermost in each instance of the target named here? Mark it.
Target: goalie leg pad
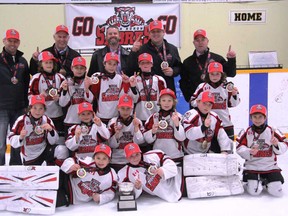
(254, 187)
(275, 188)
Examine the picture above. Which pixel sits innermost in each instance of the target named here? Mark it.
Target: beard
(113, 41)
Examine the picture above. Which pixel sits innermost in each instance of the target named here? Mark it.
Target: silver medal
(164, 64)
(84, 129)
(151, 169)
(94, 79)
(38, 130)
(14, 80)
(229, 86)
(163, 124)
(53, 92)
(81, 173)
(149, 105)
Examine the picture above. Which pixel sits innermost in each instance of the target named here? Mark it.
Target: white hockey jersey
(168, 140)
(88, 141)
(223, 101)
(42, 83)
(73, 97)
(192, 122)
(107, 93)
(154, 85)
(167, 188)
(33, 144)
(266, 158)
(127, 135)
(102, 181)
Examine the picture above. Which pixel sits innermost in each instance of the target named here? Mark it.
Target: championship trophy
(126, 199)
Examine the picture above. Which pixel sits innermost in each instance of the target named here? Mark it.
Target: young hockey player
(146, 88)
(203, 127)
(153, 172)
(75, 91)
(83, 137)
(124, 129)
(163, 129)
(107, 87)
(47, 83)
(259, 145)
(35, 133)
(225, 93)
(92, 178)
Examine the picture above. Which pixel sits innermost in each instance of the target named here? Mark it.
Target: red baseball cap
(37, 99)
(200, 32)
(111, 56)
(12, 34)
(45, 56)
(79, 61)
(215, 67)
(130, 149)
(155, 24)
(167, 91)
(206, 96)
(84, 106)
(125, 101)
(62, 28)
(145, 57)
(258, 108)
(103, 148)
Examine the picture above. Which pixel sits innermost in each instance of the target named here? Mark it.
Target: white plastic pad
(210, 164)
(29, 177)
(211, 186)
(29, 202)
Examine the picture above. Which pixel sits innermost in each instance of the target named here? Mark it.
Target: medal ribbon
(147, 89)
(203, 70)
(32, 120)
(62, 63)
(48, 82)
(162, 56)
(14, 68)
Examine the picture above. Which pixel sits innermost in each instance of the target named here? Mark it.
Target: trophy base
(126, 205)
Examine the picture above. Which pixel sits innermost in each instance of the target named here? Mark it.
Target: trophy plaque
(126, 199)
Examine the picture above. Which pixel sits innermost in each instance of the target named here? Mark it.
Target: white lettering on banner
(88, 24)
(248, 16)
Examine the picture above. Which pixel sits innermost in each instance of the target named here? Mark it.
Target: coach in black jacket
(195, 66)
(161, 51)
(61, 51)
(14, 82)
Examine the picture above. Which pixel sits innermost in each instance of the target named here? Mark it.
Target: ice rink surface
(240, 205)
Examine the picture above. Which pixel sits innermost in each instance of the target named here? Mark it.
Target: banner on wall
(88, 23)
